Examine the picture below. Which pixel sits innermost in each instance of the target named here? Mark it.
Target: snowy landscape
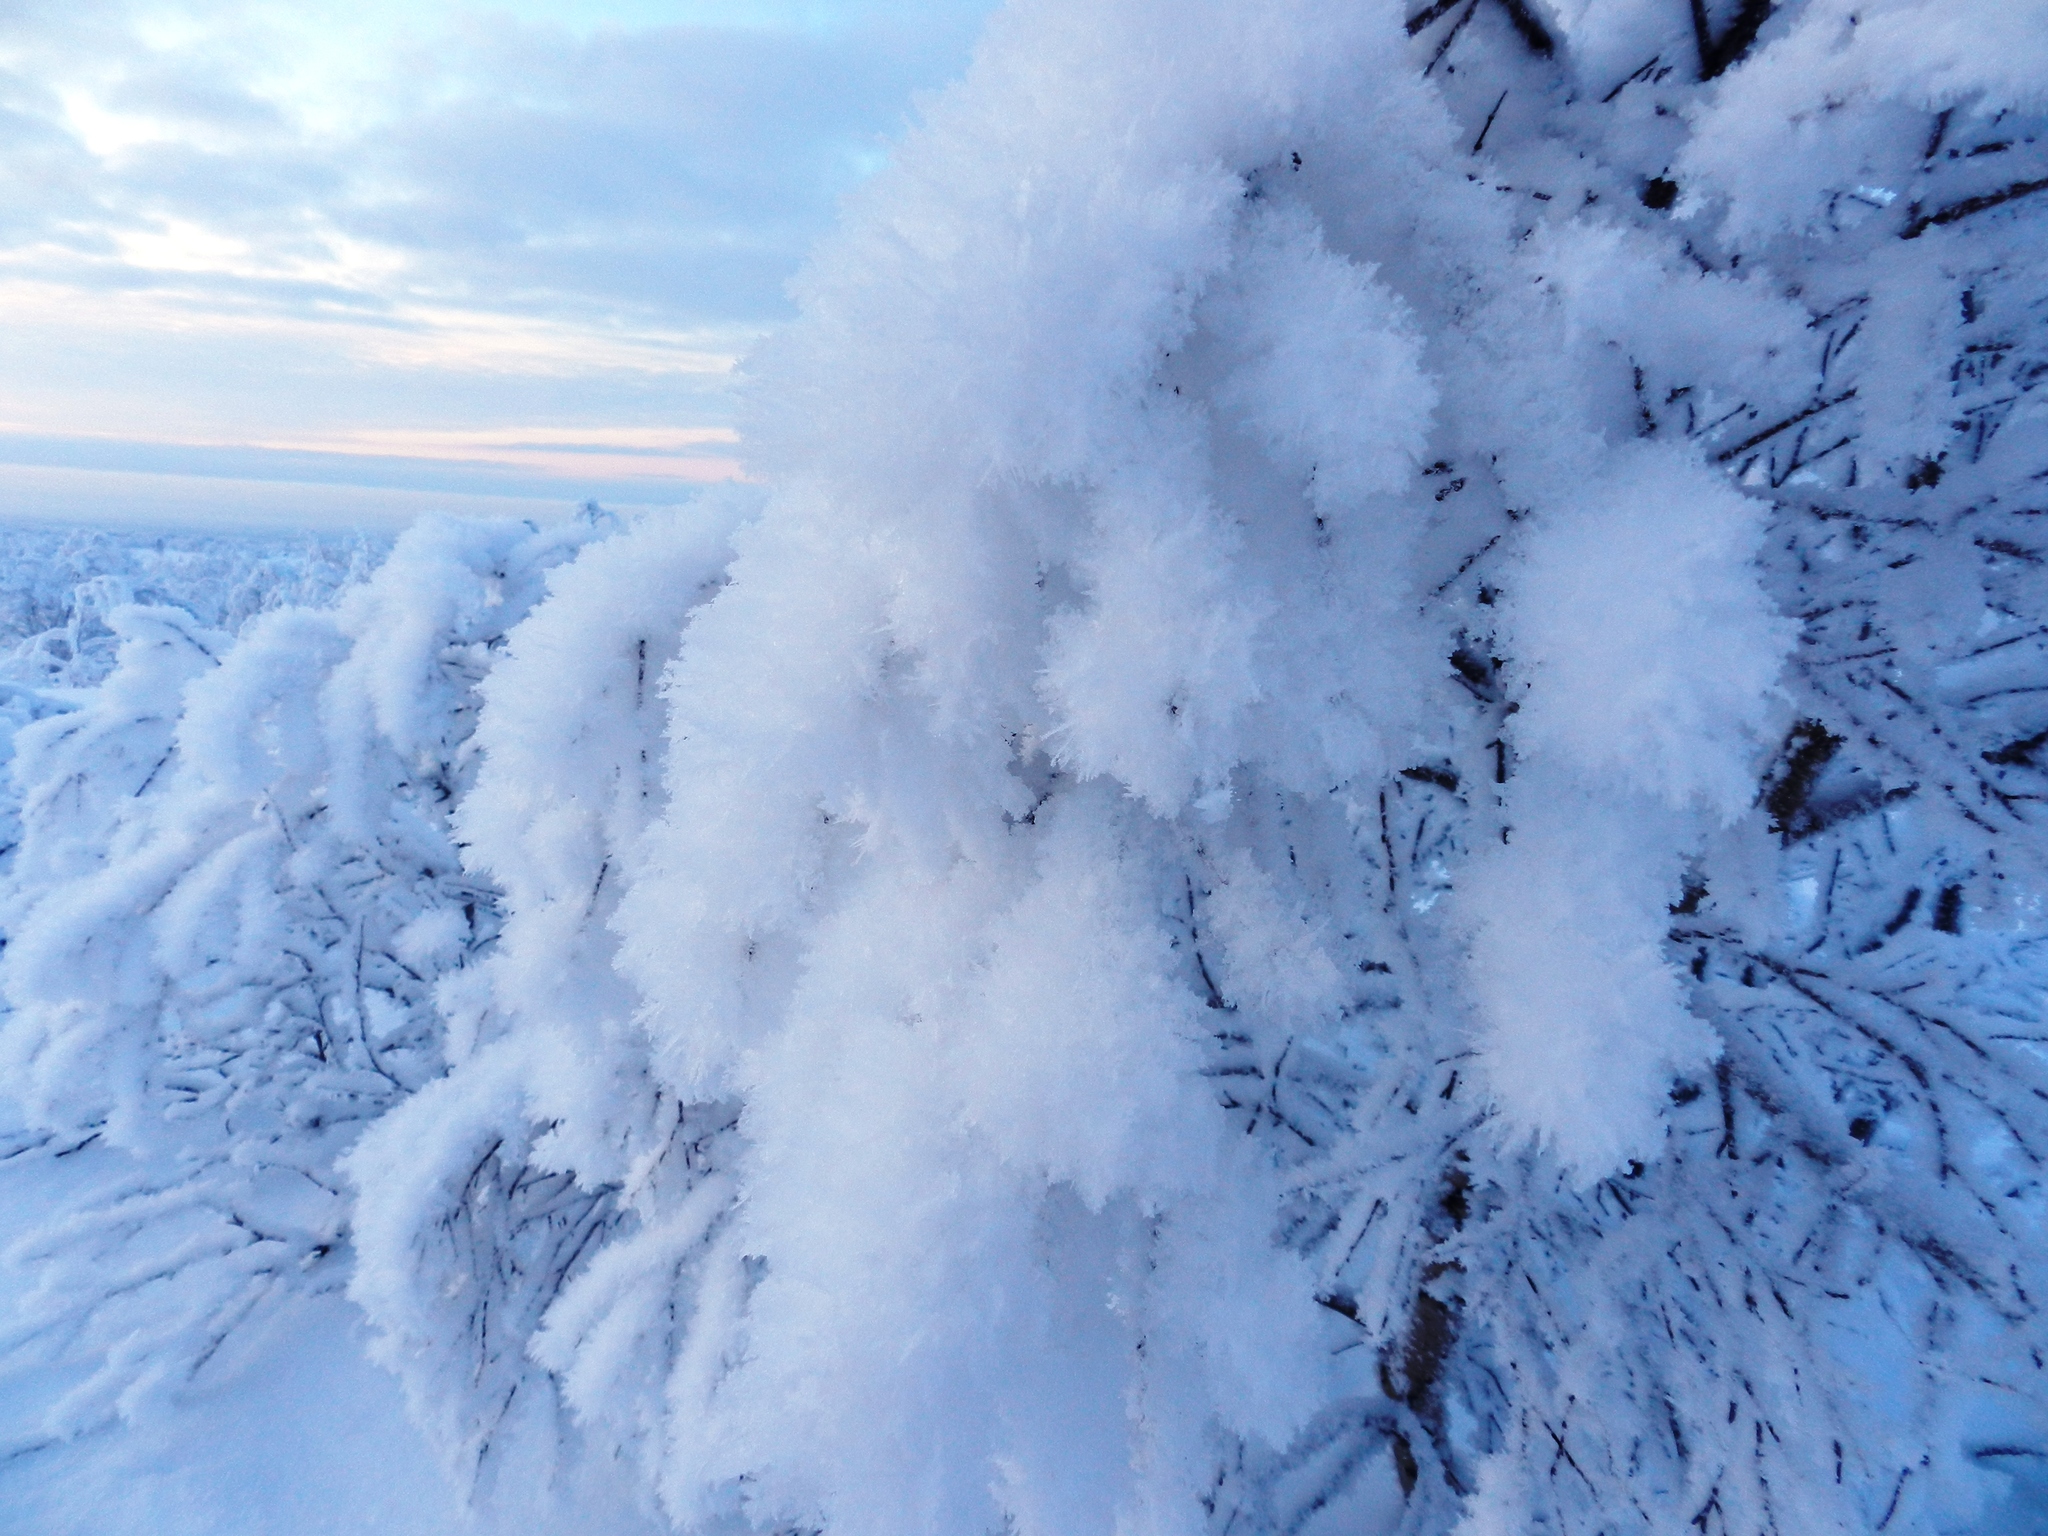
(1343, 836)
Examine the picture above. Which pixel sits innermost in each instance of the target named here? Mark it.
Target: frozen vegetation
(57, 586)
(1349, 842)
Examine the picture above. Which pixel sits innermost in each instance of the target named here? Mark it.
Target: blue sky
(419, 250)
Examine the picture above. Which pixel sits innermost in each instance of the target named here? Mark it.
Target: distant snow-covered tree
(57, 585)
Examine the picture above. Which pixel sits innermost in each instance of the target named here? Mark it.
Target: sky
(337, 262)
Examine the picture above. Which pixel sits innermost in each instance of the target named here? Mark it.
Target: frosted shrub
(485, 1194)
(1353, 843)
(1351, 847)
(235, 890)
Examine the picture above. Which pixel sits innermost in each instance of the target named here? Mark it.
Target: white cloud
(253, 222)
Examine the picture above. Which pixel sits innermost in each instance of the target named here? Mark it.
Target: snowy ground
(297, 1434)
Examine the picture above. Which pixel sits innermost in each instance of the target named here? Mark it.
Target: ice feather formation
(1349, 842)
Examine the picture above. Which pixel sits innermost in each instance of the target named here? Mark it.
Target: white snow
(1352, 817)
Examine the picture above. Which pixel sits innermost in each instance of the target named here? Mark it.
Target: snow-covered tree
(549, 1141)
(1413, 587)
(1352, 846)
(234, 892)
